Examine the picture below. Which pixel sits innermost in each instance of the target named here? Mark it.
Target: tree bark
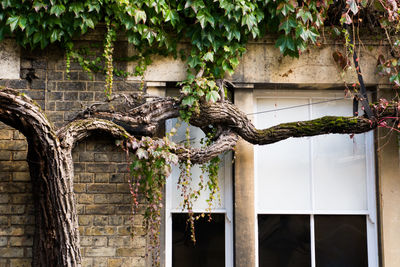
(56, 237)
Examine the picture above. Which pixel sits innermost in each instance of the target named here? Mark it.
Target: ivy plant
(217, 32)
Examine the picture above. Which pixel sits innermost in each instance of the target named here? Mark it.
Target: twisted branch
(150, 116)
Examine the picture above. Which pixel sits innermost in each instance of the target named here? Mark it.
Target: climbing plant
(216, 32)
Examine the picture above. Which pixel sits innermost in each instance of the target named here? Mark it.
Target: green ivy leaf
(287, 25)
(187, 89)
(93, 5)
(249, 20)
(6, 3)
(22, 22)
(284, 8)
(188, 101)
(211, 84)
(57, 10)
(209, 56)
(300, 32)
(149, 35)
(236, 33)
(226, 66)
(319, 20)
(304, 15)
(140, 15)
(212, 96)
(172, 15)
(55, 35)
(197, 5)
(211, 20)
(284, 43)
(37, 5)
(128, 22)
(89, 22)
(37, 37)
(313, 34)
(202, 18)
(13, 22)
(43, 42)
(134, 39)
(234, 62)
(77, 8)
(199, 92)
(193, 61)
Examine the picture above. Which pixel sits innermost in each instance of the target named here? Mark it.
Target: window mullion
(311, 147)
(312, 184)
(312, 240)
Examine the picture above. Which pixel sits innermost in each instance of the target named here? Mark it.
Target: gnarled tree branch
(150, 116)
(225, 142)
(78, 130)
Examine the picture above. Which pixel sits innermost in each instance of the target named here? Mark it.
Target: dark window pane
(209, 249)
(284, 241)
(341, 240)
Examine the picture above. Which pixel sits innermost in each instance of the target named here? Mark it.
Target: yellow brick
(103, 230)
(79, 188)
(130, 252)
(114, 262)
(85, 219)
(85, 198)
(20, 263)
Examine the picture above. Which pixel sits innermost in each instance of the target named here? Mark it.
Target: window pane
(283, 168)
(341, 240)
(201, 204)
(339, 164)
(284, 241)
(340, 172)
(209, 249)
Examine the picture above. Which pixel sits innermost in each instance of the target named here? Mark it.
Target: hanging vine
(108, 56)
(150, 166)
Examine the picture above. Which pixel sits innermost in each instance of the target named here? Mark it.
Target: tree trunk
(56, 238)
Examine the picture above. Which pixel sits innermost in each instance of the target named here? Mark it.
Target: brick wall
(104, 206)
(101, 173)
(16, 210)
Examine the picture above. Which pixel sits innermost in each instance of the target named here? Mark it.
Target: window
(314, 196)
(179, 249)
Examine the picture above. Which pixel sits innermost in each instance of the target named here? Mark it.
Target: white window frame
(371, 219)
(228, 211)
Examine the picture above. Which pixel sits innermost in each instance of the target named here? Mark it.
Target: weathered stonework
(9, 60)
(263, 64)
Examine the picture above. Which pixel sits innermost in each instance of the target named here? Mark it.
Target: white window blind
(200, 205)
(313, 174)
